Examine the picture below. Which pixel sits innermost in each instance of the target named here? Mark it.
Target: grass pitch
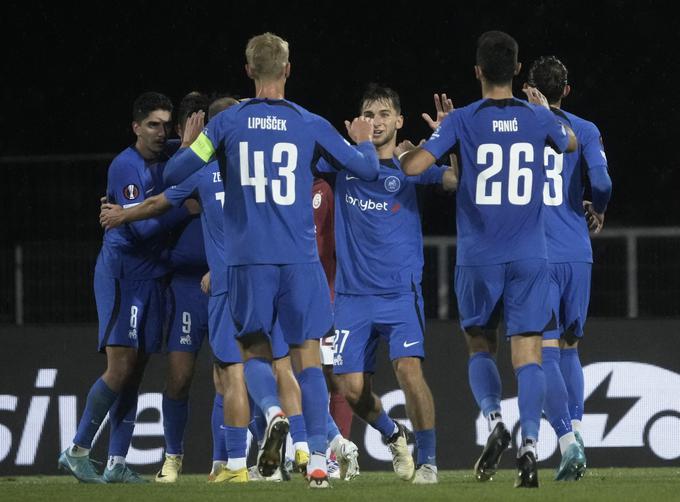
(599, 484)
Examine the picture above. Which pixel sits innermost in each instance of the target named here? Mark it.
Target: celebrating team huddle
(225, 234)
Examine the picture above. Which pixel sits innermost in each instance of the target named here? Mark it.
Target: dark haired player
(570, 257)
(378, 295)
(501, 258)
(129, 294)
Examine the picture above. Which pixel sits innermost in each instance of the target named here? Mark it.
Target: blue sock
(216, 422)
(99, 401)
(570, 364)
(485, 382)
(298, 431)
(555, 405)
(175, 416)
(426, 443)
(261, 383)
(530, 397)
(332, 428)
(384, 424)
(235, 439)
(258, 423)
(122, 416)
(314, 407)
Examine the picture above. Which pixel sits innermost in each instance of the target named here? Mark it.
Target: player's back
(566, 228)
(266, 151)
(211, 192)
(499, 202)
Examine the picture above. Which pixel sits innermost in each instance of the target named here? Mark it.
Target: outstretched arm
(113, 215)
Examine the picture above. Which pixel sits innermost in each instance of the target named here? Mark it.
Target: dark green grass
(655, 485)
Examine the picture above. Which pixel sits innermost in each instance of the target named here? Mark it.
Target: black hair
(377, 92)
(497, 56)
(148, 102)
(191, 103)
(549, 76)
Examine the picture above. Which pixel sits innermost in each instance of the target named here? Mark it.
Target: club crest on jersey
(316, 201)
(131, 192)
(392, 184)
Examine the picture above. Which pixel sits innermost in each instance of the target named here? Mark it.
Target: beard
(385, 138)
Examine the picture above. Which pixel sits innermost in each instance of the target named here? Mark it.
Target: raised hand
(595, 220)
(535, 96)
(443, 107)
(192, 128)
(404, 147)
(360, 129)
(111, 216)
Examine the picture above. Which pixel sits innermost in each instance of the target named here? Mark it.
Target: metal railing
(52, 280)
(445, 245)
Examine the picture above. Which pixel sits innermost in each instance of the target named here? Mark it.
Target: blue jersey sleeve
(187, 161)
(556, 134)
(361, 160)
(127, 190)
(444, 137)
(177, 194)
(593, 154)
(431, 176)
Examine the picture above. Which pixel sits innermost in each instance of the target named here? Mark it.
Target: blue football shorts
(130, 312)
(294, 295)
(518, 290)
(223, 333)
(569, 298)
(187, 308)
(362, 320)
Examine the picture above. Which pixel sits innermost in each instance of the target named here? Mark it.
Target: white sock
(234, 464)
(334, 442)
(301, 445)
(317, 461)
(78, 451)
(113, 460)
(272, 411)
(566, 440)
(528, 444)
(217, 464)
(576, 426)
(493, 419)
(396, 428)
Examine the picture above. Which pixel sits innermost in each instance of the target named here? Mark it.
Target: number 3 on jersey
(281, 195)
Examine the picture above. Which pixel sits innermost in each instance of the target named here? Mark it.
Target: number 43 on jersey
(285, 155)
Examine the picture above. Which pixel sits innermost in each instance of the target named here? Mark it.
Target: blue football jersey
(565, 226)
(133, 250)
(208, 182)
(499, 203)
(266, 150)
(378, 236)
(187, 252)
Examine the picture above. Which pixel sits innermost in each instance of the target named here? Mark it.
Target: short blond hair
(267, 56)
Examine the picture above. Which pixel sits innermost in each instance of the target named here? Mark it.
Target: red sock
(341, 413)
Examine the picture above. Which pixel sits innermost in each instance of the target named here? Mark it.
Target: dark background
(71, 72)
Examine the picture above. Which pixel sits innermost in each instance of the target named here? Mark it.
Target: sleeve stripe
(203, 147)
